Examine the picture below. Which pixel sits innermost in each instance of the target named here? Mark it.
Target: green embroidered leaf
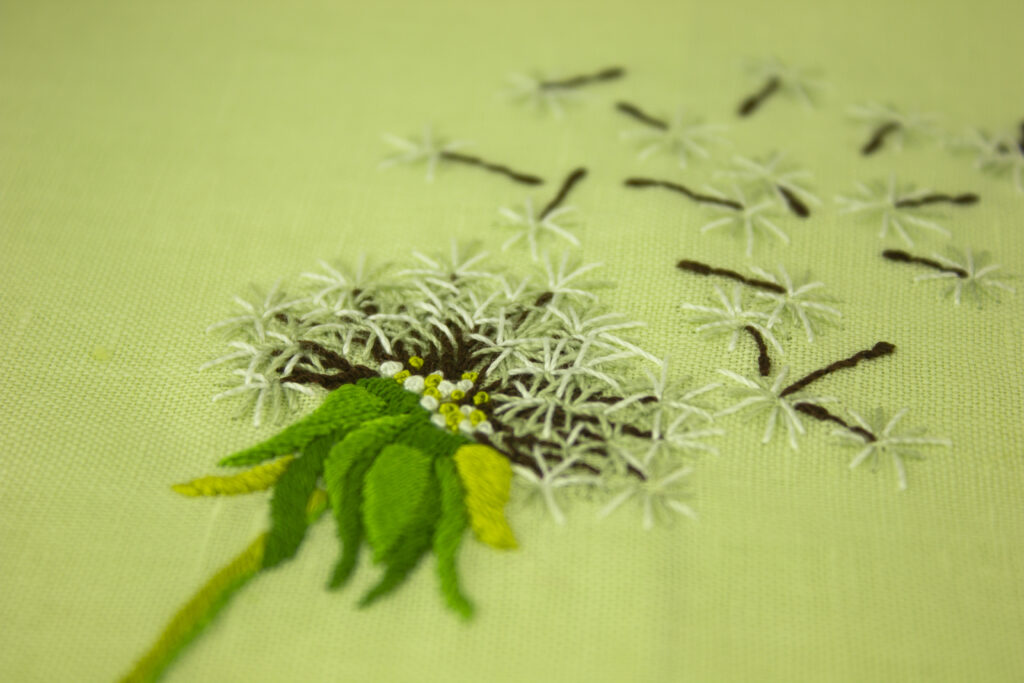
(343, 409)
(487, 478)
(394, 495)
(448, 535)
(427, 437)
(344, 475)
(398, 401)
(411, 545)
(288, 517)
(257, 478)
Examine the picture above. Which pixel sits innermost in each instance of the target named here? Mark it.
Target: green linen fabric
(156, 158)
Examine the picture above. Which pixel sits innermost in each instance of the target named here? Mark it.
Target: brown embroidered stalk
(682, 189)
(905, 257)
(524, 178)
(793, 202)
(641, 116)
(877, 351)
(764, 362)
(877, 139)
(341, 371)
(819, 413)
(699, 268)
(750, 104)
(585, 79)
(937, 198)
(570, 182)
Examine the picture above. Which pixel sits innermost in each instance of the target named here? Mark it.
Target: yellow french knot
(487, 477)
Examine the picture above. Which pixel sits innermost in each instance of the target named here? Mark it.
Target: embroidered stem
(793, 202)
(682, 189)
(905, 257)
(573, 178)
(749, 105)
(699, 268)
(197, 614)
(610, 74)
(641, 116)
(877, 139)
(523, 178)
(877, 351)
(764, 363)
(819, 413)
(937, 198)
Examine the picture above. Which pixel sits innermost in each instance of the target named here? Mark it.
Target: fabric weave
(158, 158)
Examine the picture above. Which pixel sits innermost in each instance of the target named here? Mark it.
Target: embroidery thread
(776, 78)
(973, 276)
(433, 151)
(887, 123)
(550, 94)
(449, 384)
(900, 207)
(685, 136)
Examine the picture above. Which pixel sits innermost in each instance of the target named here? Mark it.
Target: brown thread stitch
(819, 413)
(905, 257)
(524, 178)
(585, 79)
(682, 189)
(749, 105)
(877, 351)
(764, 362)
(878, 138)
(703, 269)
(573, 178)
(937, 198)
(347, 373)
(793, 202)
(640, 115)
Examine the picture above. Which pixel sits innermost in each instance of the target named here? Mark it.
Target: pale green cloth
(156, 158)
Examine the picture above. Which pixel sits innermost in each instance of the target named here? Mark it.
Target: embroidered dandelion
(969, 275)
(998, 154)
(749, 221)
(776, 78)
(885, 123)
(552, 94)
(434, 151)
(802, 304)
(767, 395)
(442, 381)
(782, 406)
(531, 225)
(899, 207)
(731, 318)
(799, 304)
(777, 177)
(878, 440)
(685, 137)
(660, 494)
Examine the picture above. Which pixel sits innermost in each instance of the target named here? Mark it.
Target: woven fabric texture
(156, 158)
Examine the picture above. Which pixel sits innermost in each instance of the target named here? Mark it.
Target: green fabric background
(157, 157)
